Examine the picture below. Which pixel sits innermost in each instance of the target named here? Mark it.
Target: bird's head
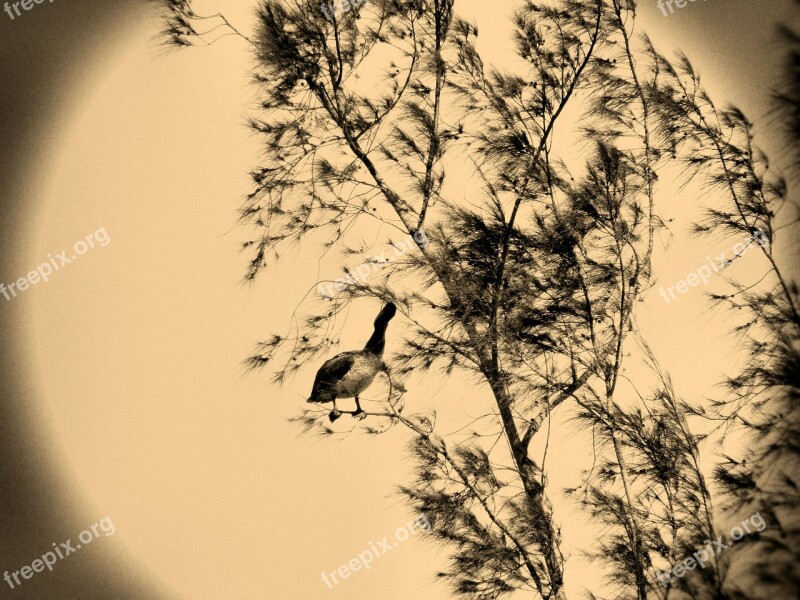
(387, 313)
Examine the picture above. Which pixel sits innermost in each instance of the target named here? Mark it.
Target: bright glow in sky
(139, 344)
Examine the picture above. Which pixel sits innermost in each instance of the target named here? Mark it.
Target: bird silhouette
(348, 374)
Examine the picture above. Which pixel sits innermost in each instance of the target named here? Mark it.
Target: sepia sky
(125, 396)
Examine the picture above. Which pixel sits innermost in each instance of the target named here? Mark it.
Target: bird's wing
(332, 371)
(338, 366)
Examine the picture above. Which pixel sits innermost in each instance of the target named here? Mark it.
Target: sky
(135, 405)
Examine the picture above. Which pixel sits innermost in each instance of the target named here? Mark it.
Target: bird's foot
(335, 414)
(359, 414)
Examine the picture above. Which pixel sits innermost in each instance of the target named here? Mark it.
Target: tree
(720, 145)
(529, 285)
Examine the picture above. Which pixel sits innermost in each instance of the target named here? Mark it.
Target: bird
(348, 374)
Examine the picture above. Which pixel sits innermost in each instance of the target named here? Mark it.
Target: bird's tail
(318, 396)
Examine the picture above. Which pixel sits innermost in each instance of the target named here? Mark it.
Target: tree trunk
(534, 491)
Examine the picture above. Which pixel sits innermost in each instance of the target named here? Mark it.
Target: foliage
(530, 283)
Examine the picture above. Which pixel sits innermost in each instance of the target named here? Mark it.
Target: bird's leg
(359, 412)
(335, 413)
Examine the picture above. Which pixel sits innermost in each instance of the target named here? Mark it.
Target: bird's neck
(377, 342)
